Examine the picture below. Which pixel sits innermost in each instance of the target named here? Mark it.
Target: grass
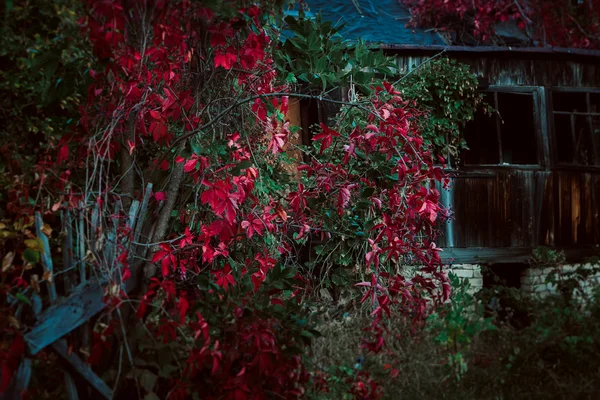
(551, 352)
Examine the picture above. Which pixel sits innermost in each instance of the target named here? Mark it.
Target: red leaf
(182, 307)
(190, 165)
(63, 154)
(225, 59)
(158, 131)
(218, 39)
(221, 200)
(131, 146)
(156, 115)
(160, 196)
(164, 165)
(326, 135)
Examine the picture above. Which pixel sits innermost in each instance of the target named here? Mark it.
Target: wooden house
(532, 175)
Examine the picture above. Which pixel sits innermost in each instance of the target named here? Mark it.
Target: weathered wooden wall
(505, 211)
(518, 69)
(516, 208)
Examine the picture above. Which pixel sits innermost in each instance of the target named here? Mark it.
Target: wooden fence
(69, 298)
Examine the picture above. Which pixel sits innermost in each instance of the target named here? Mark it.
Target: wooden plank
(71, 387)
(521, 204)
(140, 220)
(63, 317)
(81, 245)
(490, 226)
(20, 381)
(586, 231)
(564, 226)
(459, 213)
(60, 347)
(504, 219)
(133, 215)
(46, 258)
(540, 182)
(501, 255)
(485, 255)
(71, 312)
(543, 127)
(110, 245)
(67, 249)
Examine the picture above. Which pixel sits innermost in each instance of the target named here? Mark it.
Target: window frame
(538, 123)
(552, 128)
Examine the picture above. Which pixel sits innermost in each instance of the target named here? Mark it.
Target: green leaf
(340, 277)
(238, 168)
(368, 192)
(288, 273)
(31, 255)
(21, 297)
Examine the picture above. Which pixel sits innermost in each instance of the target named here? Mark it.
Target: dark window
(576, 123)
(314, 112)
(507, 136)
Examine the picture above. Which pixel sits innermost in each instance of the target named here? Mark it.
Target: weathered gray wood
(71, 312)
(67, 249)
(81, 245)
(46, 258)
(140, 220)
(485, 255)
(20, 381)
(71, 387)
(133, 214)
(36, 304)
(63, 317)
(94, 228)
(496, 255)
(60, 347)
(110, 246)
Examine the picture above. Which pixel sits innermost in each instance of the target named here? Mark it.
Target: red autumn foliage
(546, 23)
(227, 307)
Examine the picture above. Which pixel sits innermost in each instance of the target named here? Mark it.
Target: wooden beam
(20, 381)
(66, 315)
(46, 256)
(564, 51)
(60, 347)
(507, 255)
(71, 312)
(486, 255)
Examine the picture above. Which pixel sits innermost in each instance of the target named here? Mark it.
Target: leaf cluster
(317, 57)
(447, 91)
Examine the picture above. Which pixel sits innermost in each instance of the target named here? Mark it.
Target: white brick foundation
(533, 280)
(470, 272)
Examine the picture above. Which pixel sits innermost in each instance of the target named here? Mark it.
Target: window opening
(501, 282)
(507, 136)
(314, 112)
(576, 123)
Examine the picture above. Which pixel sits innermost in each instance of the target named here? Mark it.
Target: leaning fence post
(81, 244)
(46, 259)
(67, 246)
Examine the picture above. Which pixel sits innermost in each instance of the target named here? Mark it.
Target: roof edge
(493, 49)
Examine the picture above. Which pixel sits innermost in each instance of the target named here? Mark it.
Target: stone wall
(533, 280)
(470, 272)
